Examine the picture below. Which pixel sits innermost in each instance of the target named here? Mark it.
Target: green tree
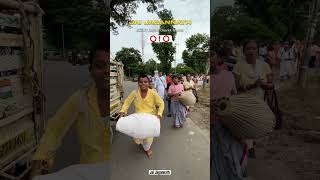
(83, 21)
(121, 11)
(230, 23)
(183, 69)
(165, 51)
(150, 66)
(131, 59)
(196, 55)
(285, 17)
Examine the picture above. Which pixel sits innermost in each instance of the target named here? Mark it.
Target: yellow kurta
(146, 105)
(93, 133)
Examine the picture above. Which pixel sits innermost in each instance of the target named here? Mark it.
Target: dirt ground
(294, 151)
(200, 113)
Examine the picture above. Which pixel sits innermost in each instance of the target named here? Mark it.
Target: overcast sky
(198, 11)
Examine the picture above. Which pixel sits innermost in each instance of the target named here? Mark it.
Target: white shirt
(286, 55)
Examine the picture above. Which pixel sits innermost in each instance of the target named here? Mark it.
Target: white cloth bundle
(79, 172)
(187, 98)
(139, 125)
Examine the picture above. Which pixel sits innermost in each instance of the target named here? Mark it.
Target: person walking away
(228, 160)
(87, 109)
(160, 85)
(252, 76)
(144, 101)
(179, 111)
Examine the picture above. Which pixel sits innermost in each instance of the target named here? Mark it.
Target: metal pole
(62, 30)
(175, 60)
(175, 64)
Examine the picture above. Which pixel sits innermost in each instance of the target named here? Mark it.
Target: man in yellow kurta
(145, 101)
(87, 110)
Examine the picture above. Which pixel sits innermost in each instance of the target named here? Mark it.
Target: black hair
(250, 41)
(221, 53)
(143, 76)
(175, 76)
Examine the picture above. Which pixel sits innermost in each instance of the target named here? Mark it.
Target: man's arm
(128, 102)
(56, 129)
(160, 104)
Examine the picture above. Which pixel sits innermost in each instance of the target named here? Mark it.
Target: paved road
(184, 151)
(62, 80)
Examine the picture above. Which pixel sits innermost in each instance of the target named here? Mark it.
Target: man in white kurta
(160, 84)
(286, 61)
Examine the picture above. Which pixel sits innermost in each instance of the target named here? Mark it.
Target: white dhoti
(285, 68)
(292, 68)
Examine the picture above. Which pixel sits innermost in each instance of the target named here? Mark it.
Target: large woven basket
(245, 116)
(187, 98)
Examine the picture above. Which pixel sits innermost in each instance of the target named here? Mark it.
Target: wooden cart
(22, 107)
(116, 90)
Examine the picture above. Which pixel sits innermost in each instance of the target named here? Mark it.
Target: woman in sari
(145, 101)
(254, 77)
(228, 160)
(178, 110)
